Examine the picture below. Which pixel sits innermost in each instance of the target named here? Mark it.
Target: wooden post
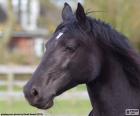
(10, 87)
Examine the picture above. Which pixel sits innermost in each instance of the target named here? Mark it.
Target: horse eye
(70, 48)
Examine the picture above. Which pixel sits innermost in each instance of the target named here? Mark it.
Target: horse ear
(80, 14)
(67, 13)
(82, 19)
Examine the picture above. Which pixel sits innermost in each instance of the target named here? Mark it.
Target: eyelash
(70, 49)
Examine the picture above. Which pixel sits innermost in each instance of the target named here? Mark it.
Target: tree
(7, 31)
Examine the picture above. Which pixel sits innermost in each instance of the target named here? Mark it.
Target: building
(29, 37)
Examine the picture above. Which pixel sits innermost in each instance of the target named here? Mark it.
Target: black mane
(117, 44)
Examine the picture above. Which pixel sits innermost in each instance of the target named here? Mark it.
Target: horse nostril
(34, 92)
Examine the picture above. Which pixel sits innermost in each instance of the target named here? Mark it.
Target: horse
(86, 50)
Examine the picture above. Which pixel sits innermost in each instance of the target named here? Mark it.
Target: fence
(11, 71)
(10, 82)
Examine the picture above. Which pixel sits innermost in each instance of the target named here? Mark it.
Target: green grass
(81, 87)
(61, 107)
(16, 88)
(16, 107)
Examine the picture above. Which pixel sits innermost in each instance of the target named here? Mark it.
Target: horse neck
(111, 92)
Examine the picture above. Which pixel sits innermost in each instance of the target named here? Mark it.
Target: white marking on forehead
(59, 35)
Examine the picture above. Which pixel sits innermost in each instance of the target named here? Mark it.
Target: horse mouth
(48, 105)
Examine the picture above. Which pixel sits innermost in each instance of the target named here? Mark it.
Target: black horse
(84, 50)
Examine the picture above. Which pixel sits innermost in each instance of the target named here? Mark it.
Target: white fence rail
(16, 69)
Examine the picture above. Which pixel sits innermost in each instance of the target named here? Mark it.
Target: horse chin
(48, 105)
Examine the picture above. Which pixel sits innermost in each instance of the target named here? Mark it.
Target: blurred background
(25, 25)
